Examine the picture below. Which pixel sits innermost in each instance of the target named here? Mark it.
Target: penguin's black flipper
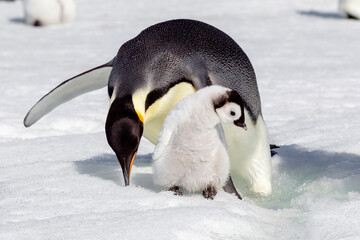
(88, 81)
(273, 146)
(230, 188)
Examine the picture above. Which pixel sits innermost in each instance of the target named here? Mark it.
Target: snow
(60, 180)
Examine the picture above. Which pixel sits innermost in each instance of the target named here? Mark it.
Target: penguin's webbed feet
(176, 190)
(273, 152)
(210, 192)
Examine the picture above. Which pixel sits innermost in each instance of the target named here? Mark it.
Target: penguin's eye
(232, 113)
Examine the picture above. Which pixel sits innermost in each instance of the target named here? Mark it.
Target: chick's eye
(232, 113)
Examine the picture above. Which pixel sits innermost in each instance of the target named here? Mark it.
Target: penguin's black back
(185, 49)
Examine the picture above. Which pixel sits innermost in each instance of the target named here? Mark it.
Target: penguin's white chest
(350, 8)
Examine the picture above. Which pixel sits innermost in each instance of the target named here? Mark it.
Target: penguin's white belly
(249, 154)
(350, 8)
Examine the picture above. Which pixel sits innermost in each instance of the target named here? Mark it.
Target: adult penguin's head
(124, 128)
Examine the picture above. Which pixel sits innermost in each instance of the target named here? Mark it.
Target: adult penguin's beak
(126, 165)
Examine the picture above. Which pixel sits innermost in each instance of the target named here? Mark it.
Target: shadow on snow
(106, 167)
(17, 20)
(320, 14)
(294, 168)
(309, 165)
(298, 171)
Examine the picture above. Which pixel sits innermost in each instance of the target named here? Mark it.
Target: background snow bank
(60, 180)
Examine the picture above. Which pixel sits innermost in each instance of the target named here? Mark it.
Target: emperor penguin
(191, 149)
(152, 72)
(350, 8)
(49, 12)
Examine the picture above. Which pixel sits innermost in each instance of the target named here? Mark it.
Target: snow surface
(60, 180)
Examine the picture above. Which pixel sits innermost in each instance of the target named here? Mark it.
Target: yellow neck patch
(140, 116)
(138, 99)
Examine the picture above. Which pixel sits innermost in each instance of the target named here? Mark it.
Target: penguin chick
(49, 12)
(191, 150)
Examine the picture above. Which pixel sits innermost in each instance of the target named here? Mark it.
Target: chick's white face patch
(229, 112)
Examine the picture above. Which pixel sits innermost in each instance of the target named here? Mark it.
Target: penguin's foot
(273, 152)
(176, 190)
(209, 192)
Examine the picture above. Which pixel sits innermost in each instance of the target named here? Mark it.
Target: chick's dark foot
(176, 190)
(209, 192)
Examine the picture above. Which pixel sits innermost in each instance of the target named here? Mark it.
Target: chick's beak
(240, 124)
